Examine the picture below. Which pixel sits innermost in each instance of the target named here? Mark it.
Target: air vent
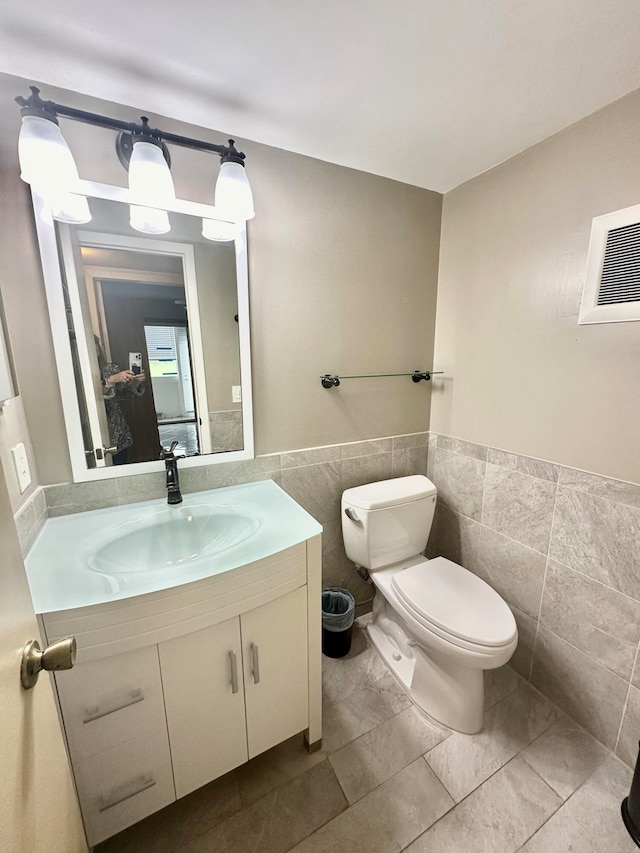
(620, 281)
(612, 285)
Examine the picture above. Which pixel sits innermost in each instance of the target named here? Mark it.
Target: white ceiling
(429, 92)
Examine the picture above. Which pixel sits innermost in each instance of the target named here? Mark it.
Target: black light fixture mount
(129, 131)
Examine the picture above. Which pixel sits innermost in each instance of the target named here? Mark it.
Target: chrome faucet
(171, 466)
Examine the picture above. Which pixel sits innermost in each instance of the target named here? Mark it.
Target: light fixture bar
(35, 102)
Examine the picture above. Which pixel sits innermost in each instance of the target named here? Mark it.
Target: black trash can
(338, 613)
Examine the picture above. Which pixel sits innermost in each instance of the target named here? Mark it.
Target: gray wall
(521, 373)
(342, 269)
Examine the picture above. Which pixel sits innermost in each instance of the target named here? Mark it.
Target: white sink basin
(123, 551)
(169, 538)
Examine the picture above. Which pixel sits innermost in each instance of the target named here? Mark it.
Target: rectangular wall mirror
(151, 335)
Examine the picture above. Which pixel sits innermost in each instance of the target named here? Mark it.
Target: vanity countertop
(95, 557)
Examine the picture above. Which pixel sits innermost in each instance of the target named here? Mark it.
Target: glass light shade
(149, 220)
(215, 229)
(71, 208)
(45, 158)
(47, 163)
(150, 181)
(233, 193)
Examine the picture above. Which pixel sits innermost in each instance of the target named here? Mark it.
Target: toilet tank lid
(386, 493)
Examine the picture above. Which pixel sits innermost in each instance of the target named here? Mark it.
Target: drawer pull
(234, 672)
(143, 783)
(95, 713)
(255, 663)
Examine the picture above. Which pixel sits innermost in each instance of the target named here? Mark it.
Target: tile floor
(387, 781)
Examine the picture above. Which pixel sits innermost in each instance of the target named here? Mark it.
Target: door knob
(60, 655)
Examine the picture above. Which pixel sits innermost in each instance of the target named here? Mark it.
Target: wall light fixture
(46, 162)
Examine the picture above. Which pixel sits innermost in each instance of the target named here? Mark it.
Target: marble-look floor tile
(589, 822)
(564, 756)
(168, 830)
(274, 767)
(387, 819)
(590, 694)
(627, 746)
(519, 506)
(498, 684)
(515, 571)
(344, 676)
(497, 817)
(362, 711)
(598, 620)
(462, 762)
(380, 753)
(279, 820)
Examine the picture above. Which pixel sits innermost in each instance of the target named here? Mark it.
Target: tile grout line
(626, 700)
(559, 465)
(499, 532)
(544, 583)
(571, 795)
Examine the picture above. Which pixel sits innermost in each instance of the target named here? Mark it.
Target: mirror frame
(51, 269)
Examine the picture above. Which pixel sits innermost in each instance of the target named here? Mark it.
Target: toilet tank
(389, 521)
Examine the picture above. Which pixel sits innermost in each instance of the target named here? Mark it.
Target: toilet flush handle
(351, 514)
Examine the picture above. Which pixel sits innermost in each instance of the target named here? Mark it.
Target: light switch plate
(21, 464)
(236, 393)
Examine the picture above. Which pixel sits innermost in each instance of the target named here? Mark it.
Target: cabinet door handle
(234, 672)
(95, 713)
(255, 663)
(143, 782)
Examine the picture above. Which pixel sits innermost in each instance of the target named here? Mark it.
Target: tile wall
(315, 478)
(30, 518)
(563, 548)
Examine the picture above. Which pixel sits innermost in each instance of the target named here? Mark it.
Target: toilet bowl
(436, 625)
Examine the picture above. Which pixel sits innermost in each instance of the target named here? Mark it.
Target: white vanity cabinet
(190, 662)
(175, 688)
(236, 689)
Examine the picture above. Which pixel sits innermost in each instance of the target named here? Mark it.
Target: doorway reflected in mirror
(166, 363)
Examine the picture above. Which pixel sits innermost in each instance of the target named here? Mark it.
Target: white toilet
(436, 625)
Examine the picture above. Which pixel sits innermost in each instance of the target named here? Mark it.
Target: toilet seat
(455, 604)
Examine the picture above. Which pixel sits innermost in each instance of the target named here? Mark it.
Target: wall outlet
(236, 393)
(21, 464)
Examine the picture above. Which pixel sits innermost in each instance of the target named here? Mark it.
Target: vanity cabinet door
(204, 699)
(274, 649)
